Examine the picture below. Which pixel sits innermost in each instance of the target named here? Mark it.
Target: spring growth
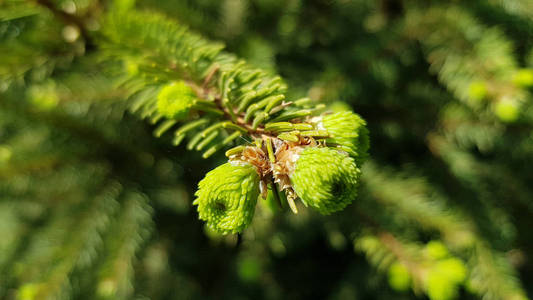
(348, 131)
(175, 100)
(227, 196)
(325, 179)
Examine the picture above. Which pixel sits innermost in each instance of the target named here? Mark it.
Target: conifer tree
(266, 149)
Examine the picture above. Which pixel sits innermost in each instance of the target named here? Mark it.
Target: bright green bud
(507, 110)
(227, 196)
(453, 268)
(436, 250)
(399, 277)
(523, 78)
(477, 91)
(325, 179)
(440, 288)
(348, 130)
(29, 291)
(444, 278)
(175, 100)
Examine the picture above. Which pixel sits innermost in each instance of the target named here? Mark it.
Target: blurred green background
(93, 206)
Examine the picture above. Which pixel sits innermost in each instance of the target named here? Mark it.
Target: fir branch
(410, 196)
(383, 250)
(180, 77)
(414, 199)
(79, 249)
(473, 61)
(127, 234)
(247, 97)
(493, 276)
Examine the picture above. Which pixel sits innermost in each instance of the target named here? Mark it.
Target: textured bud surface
(175, 100)
(325, 179)
(349, 131)
(227, 196)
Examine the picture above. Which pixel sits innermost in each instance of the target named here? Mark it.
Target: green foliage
(429, 268)
(325, 179)
(92, 206)
(236, 99)
(523, 78)
(349, 131)
(226, 197)
(175, 100)
(444, 278)
(399, 278)
(472, 60)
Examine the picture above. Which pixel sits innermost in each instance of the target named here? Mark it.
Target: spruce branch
(412, 197)
(190, 86)
(195, 93)
(430, 268)
(130, 230)
(475, 62)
